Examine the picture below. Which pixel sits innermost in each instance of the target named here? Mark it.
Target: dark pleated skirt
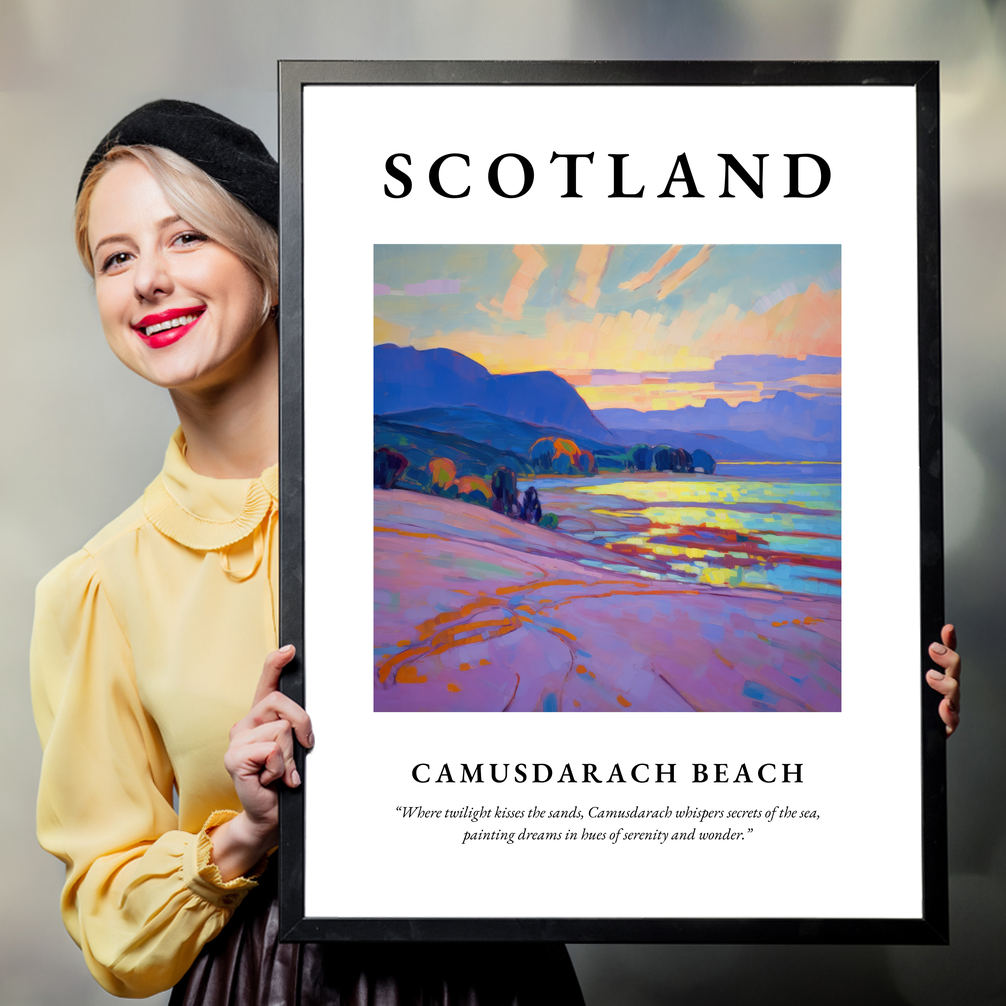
(246, 965)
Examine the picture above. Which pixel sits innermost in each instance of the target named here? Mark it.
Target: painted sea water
(762, 525)
(607, 478)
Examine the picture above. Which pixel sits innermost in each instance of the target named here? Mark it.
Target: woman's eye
(190, 238)
(114, 261)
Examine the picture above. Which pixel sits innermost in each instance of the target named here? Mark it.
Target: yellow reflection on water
(730, 520)
(688, 491)
(739, 521)
(658, 548)
(720, 577)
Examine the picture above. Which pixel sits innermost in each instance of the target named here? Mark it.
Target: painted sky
(630, 326)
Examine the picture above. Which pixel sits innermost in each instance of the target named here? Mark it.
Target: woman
(149, 643)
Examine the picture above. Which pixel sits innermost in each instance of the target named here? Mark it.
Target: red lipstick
(165, 333)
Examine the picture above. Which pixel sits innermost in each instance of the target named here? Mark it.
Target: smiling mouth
(165, 325)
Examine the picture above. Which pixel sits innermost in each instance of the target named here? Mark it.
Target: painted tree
(530, 506)
(664, 457)
(641, 457)
(566, 456)
(504, 490)
(586, 462)
(389, 467)
(541, 454)
(474, 489)
(702, 461)
(444, 473)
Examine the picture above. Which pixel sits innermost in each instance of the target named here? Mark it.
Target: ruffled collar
(203, 513)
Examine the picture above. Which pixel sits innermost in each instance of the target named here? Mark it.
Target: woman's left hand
(948, 681)
(260, 754)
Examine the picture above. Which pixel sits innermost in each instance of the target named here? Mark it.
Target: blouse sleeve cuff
(202, 876)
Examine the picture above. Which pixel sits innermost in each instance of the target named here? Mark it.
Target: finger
(949, 708)
(948, 659)
(261, 760)
(279, 733)
(274, 766)
(271, 670)
(946, 685)
(950, 716)
(949, 636)
(276, 706)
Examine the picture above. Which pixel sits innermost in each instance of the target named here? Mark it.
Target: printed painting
(607, 478)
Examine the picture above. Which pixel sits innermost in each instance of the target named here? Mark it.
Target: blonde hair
(199, 200)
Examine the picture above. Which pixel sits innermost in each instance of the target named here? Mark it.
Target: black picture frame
(932, 926)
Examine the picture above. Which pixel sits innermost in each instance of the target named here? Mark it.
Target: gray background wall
(82, 436)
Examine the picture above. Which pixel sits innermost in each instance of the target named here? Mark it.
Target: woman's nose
(152, 277)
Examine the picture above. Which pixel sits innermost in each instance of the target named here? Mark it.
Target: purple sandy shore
(474, 611)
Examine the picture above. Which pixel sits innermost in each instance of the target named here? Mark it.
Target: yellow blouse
(147, 647)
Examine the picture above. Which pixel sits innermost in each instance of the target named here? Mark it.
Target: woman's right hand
(259, 754)
(948, 681)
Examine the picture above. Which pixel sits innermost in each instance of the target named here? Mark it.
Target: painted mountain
(443, 391)
(406, 378)
(787, 425)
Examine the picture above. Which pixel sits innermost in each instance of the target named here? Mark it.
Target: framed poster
(645, 361)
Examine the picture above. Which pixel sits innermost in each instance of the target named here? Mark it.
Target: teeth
(174, 323)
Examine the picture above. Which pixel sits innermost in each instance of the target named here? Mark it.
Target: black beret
(231, 154)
